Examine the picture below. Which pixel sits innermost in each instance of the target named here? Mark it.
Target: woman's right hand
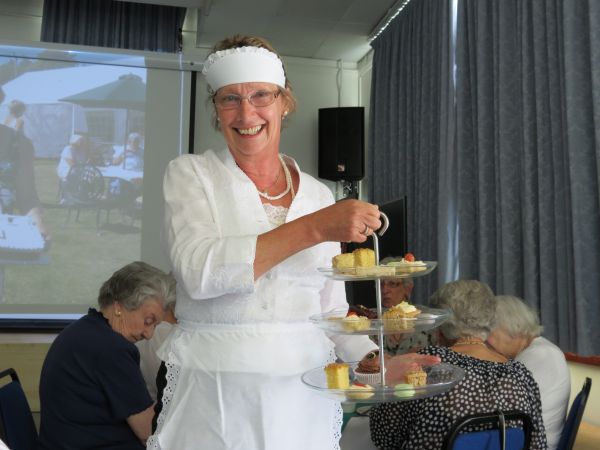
(347, 221)
(398, 366)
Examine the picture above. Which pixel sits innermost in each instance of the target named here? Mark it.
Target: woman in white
(517, 335)
(77, 152)
(246, 231)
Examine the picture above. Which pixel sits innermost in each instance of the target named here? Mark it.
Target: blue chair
(17, 428)
(498, 437)
(569, 432)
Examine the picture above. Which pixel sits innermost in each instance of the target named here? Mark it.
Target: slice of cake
(338, 376)
(343, 261)
(400, 317)
(417, 377)
(364, 257)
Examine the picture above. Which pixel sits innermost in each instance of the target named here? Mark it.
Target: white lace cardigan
(213, 215)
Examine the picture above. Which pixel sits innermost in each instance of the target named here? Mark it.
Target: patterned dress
(487, 386)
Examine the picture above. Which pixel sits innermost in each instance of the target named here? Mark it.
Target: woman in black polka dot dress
(491, 382)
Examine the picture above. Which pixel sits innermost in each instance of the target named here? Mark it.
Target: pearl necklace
(288, 184)
(266, 189)
(470, 341)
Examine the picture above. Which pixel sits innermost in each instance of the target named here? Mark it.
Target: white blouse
(213, 216)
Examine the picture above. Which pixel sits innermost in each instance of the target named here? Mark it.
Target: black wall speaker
(342, 143)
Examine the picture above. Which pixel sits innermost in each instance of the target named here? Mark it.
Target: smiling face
(137, 324)
(249, 130)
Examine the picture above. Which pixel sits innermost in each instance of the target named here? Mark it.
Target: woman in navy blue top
(92, 392)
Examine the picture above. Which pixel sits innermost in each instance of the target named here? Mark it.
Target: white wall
(579, 372)
(20, 20)
(313, 82)
(365, 66)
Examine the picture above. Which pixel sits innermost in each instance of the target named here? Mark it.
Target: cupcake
(402, 310)
(368, 370)
(400, 317)
(354, 322)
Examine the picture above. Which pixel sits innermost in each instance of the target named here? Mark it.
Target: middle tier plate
(379, 272)
(333, 322)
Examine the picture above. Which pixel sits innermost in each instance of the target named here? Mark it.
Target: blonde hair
(239, 41)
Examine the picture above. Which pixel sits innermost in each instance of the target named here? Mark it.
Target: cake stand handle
(381, 232)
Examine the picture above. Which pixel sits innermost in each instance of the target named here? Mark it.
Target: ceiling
(321, 29)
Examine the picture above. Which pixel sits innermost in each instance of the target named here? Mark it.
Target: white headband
(243, 65)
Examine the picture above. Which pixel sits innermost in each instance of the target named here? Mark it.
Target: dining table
(133, 176)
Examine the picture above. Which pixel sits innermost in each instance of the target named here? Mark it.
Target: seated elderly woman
(517, 336)
(92, 392)
(491, 381)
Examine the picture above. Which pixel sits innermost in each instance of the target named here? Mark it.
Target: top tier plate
(429, 318)
(379, 272)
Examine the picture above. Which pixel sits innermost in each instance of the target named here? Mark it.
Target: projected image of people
(76, 153)
(22, 227)
(63, 122)
(132, 156)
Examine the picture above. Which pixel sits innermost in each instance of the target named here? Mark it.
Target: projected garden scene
(71, 177)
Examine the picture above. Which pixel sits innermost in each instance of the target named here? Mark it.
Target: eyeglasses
(394, 284)
(258, 99)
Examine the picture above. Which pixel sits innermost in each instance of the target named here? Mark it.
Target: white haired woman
(517, 335)
(491, 381)
(92, 392)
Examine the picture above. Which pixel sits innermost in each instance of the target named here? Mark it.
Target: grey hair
(516, 317)
(134, 284)
(473, 308)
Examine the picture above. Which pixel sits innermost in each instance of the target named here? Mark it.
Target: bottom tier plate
(440, 378)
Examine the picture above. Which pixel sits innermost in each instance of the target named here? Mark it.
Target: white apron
(244, 391)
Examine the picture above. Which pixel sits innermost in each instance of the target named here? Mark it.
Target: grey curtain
(116, 24)
(527, 153)
(501, 169)
(411, 87)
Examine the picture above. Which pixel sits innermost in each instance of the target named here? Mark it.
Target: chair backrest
(569, 432)
(17, 428)
(499, 437)
(84, 183)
